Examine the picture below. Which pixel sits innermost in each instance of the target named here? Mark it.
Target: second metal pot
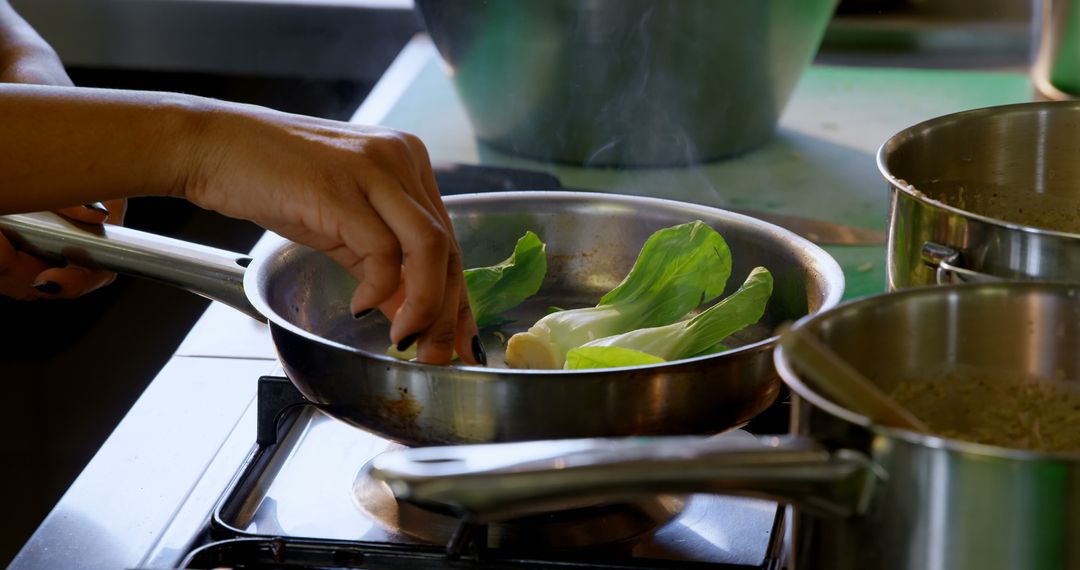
(866, 496)
(942, 503)
(984, 194)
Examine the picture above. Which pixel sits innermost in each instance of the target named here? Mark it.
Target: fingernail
(478, 350)
(97, 206)
(407, 342)
(49, 287)
(362, 314)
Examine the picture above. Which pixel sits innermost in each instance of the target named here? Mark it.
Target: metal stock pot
(865, 496)
(626, 82)
(339, 363)
(985, 194)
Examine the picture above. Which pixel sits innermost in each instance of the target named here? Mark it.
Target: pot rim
(964, 116)
(793, 380)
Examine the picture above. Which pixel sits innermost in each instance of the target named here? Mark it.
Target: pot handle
(944, 259)
(499, 481)
(213, 273)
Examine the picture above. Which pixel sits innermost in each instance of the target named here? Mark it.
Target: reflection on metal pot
(626, 82)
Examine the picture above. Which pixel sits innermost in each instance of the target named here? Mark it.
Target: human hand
(364, 196)
(24, 277)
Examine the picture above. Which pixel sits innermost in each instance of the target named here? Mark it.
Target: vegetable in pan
(677, 269)
(498, 288)
(505, 285)
(697, 336)
(584, 357)
(637, 322)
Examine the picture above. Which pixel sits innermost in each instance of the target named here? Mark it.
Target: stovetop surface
(296, 495)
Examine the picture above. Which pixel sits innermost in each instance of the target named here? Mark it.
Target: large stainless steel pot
(338, 362)
(985, 193)
(866, 496)
(626, 82)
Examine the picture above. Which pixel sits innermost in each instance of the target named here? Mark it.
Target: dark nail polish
(478, 350)
(49, 287)
(363, 313)
(98, 207)
(407, 342)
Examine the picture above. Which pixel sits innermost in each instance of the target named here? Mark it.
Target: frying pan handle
(945, 260)
(499, 481)
(213, 273)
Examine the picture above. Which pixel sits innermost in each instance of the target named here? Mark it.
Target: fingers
(369, 251)
(467, 340)
(425, 248)
(438, 341)
(70, 282)
(390, 306)
(17, 272)
(94, 213)
(451, 327)
(25, 277)
(111, 211)
(467, 336)
(407, 246)
(117, 210)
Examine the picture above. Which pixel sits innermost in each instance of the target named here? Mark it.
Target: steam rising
(626, 82)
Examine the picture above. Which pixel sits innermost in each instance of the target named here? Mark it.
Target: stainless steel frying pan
(337, 362)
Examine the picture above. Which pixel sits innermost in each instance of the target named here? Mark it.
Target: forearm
(62, 146)
(17, 39)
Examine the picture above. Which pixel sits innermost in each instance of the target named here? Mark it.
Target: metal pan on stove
(339, 364)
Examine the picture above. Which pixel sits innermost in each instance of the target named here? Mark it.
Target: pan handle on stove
(945, 260)
(500, 481)
(213, 273)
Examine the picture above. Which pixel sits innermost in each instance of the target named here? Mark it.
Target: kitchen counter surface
(164, 460)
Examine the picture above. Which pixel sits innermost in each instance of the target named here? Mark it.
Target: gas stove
(302, 498)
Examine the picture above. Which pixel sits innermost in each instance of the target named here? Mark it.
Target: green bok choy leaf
(584, 357)
(498, 288)
(503, 286)
(698, 335)
(677, 269)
